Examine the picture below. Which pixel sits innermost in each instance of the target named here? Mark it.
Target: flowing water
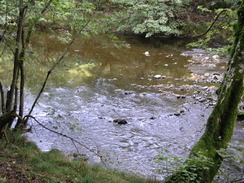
(164, 91)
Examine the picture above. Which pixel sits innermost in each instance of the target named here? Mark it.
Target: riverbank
(22, 161)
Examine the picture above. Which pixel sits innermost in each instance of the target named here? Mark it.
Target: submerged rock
(180, 96)
(120, 121)
(128, 92)
(177, 114)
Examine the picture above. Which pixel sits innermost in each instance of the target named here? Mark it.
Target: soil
(11, 171)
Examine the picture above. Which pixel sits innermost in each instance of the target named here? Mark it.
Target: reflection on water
(99, 57)
(103, 79)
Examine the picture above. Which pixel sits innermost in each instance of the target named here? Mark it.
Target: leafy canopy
(152, 16)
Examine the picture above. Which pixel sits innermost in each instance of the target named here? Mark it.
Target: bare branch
(68, 137)
(55, 65)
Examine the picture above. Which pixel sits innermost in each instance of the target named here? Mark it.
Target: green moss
(220, 124)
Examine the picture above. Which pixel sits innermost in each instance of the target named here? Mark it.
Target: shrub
(152, 17)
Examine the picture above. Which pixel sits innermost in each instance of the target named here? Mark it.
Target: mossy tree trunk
(204, 160)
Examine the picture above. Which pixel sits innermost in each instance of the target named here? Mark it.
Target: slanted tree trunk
(204, 160)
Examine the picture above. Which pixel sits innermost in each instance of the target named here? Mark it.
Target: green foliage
(61, 14)
(3, 180)
(229, 171)
(230, 2)
(218, 3)
(71, 13)
(168, 162)
(233, 162)
(220, 34)
(152, 17)
(187, 166)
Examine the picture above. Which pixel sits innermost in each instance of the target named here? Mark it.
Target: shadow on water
(163, 91)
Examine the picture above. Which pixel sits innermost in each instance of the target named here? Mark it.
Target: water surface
(164, 92)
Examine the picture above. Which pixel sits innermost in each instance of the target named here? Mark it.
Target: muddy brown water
(164, 91)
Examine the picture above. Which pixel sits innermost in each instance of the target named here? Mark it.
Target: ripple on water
(133, 146)
(157, 121)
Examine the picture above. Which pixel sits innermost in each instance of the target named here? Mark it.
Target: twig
(68, 137)
(75, 146)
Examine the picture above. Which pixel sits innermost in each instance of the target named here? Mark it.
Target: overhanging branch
(209, 28)
(55, 65)
(70, 138)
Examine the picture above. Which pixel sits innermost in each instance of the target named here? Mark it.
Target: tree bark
(2, 98)
(10, 98)
(5, 119)
(204, 160)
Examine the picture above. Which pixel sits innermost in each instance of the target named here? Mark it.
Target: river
(164, 91)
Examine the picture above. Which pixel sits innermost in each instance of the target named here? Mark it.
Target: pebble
(215, 57)
(147, 53)
(170, 55)
(184, 54)
(158, 76)
(207, 74)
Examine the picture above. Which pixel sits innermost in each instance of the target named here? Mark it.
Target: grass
(53, 166)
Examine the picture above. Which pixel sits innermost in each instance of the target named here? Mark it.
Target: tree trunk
(5, 119)
(10, 98)
(204, 160)
(2, 98)
(21, 43)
